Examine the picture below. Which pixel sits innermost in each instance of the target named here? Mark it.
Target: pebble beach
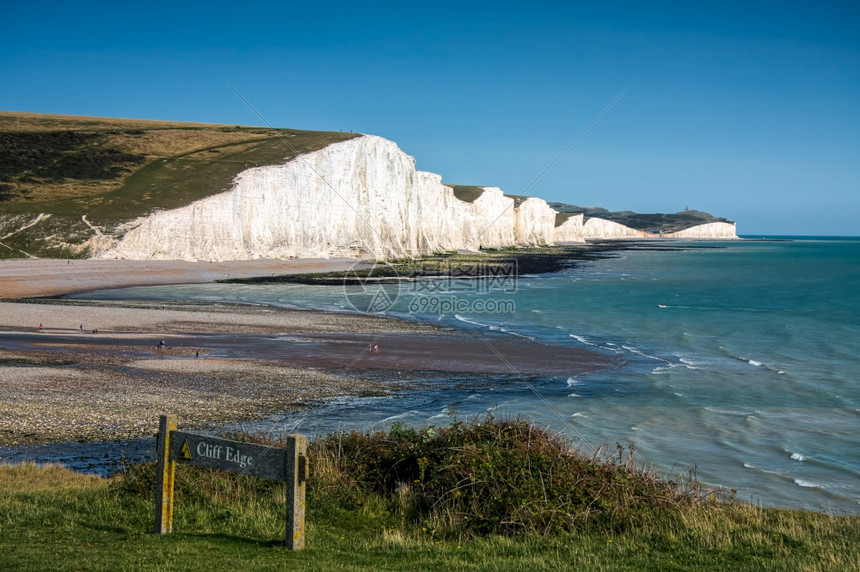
(76, 370)
(71, 371)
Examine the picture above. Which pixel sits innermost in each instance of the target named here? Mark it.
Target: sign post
(164, 479)
(296, 469)
(289, 465)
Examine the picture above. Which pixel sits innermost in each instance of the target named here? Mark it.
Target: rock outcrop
(361, 197)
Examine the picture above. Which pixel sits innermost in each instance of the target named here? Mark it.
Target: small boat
(662, 306)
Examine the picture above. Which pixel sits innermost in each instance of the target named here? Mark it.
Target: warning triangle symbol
(185, 451)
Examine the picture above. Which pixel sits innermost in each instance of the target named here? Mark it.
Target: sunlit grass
(30, 477)
(55, 519)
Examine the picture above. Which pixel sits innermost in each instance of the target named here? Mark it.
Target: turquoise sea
(740, 361)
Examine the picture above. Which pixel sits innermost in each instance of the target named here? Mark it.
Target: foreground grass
(51, 518)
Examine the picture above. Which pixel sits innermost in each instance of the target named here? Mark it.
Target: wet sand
(97, 370)
(53, 277)
(381, 350)
(60, 382)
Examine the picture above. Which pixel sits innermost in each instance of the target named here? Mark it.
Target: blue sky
(746, 110)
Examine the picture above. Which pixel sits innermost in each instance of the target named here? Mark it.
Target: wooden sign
(216, 453)
(289, 465)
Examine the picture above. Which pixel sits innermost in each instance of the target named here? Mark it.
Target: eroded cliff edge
(362, 197)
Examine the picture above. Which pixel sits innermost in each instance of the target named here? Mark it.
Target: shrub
(491, 476)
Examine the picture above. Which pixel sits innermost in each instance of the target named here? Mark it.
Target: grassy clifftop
(110, 171)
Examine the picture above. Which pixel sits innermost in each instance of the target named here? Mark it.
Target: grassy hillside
(490, 495)
(649, 222)
(56, 169)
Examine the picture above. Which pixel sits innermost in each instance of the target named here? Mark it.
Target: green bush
(490, 477)
(474, 479)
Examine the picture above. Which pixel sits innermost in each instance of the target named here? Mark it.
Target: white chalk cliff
(361, 197)
(598, 228)
(708, 231)
(569, 231)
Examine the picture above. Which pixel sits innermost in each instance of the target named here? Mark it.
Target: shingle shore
(65, 390)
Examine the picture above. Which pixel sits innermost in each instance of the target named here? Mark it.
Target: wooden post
(166, 469)
(296, 477)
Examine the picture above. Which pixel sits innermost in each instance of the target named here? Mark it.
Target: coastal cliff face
(601, 229)
(598, 228)
(361, 197)
(709, 231)
(535, 223)
(570, 231)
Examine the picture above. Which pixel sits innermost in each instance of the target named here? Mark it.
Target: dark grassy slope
(649, 222)
(467, 193)
(28, 158)
(114, 170)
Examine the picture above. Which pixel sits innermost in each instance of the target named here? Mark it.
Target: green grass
(53, 518)
(467, 193)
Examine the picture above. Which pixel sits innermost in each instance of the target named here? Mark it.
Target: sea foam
(808, 484)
